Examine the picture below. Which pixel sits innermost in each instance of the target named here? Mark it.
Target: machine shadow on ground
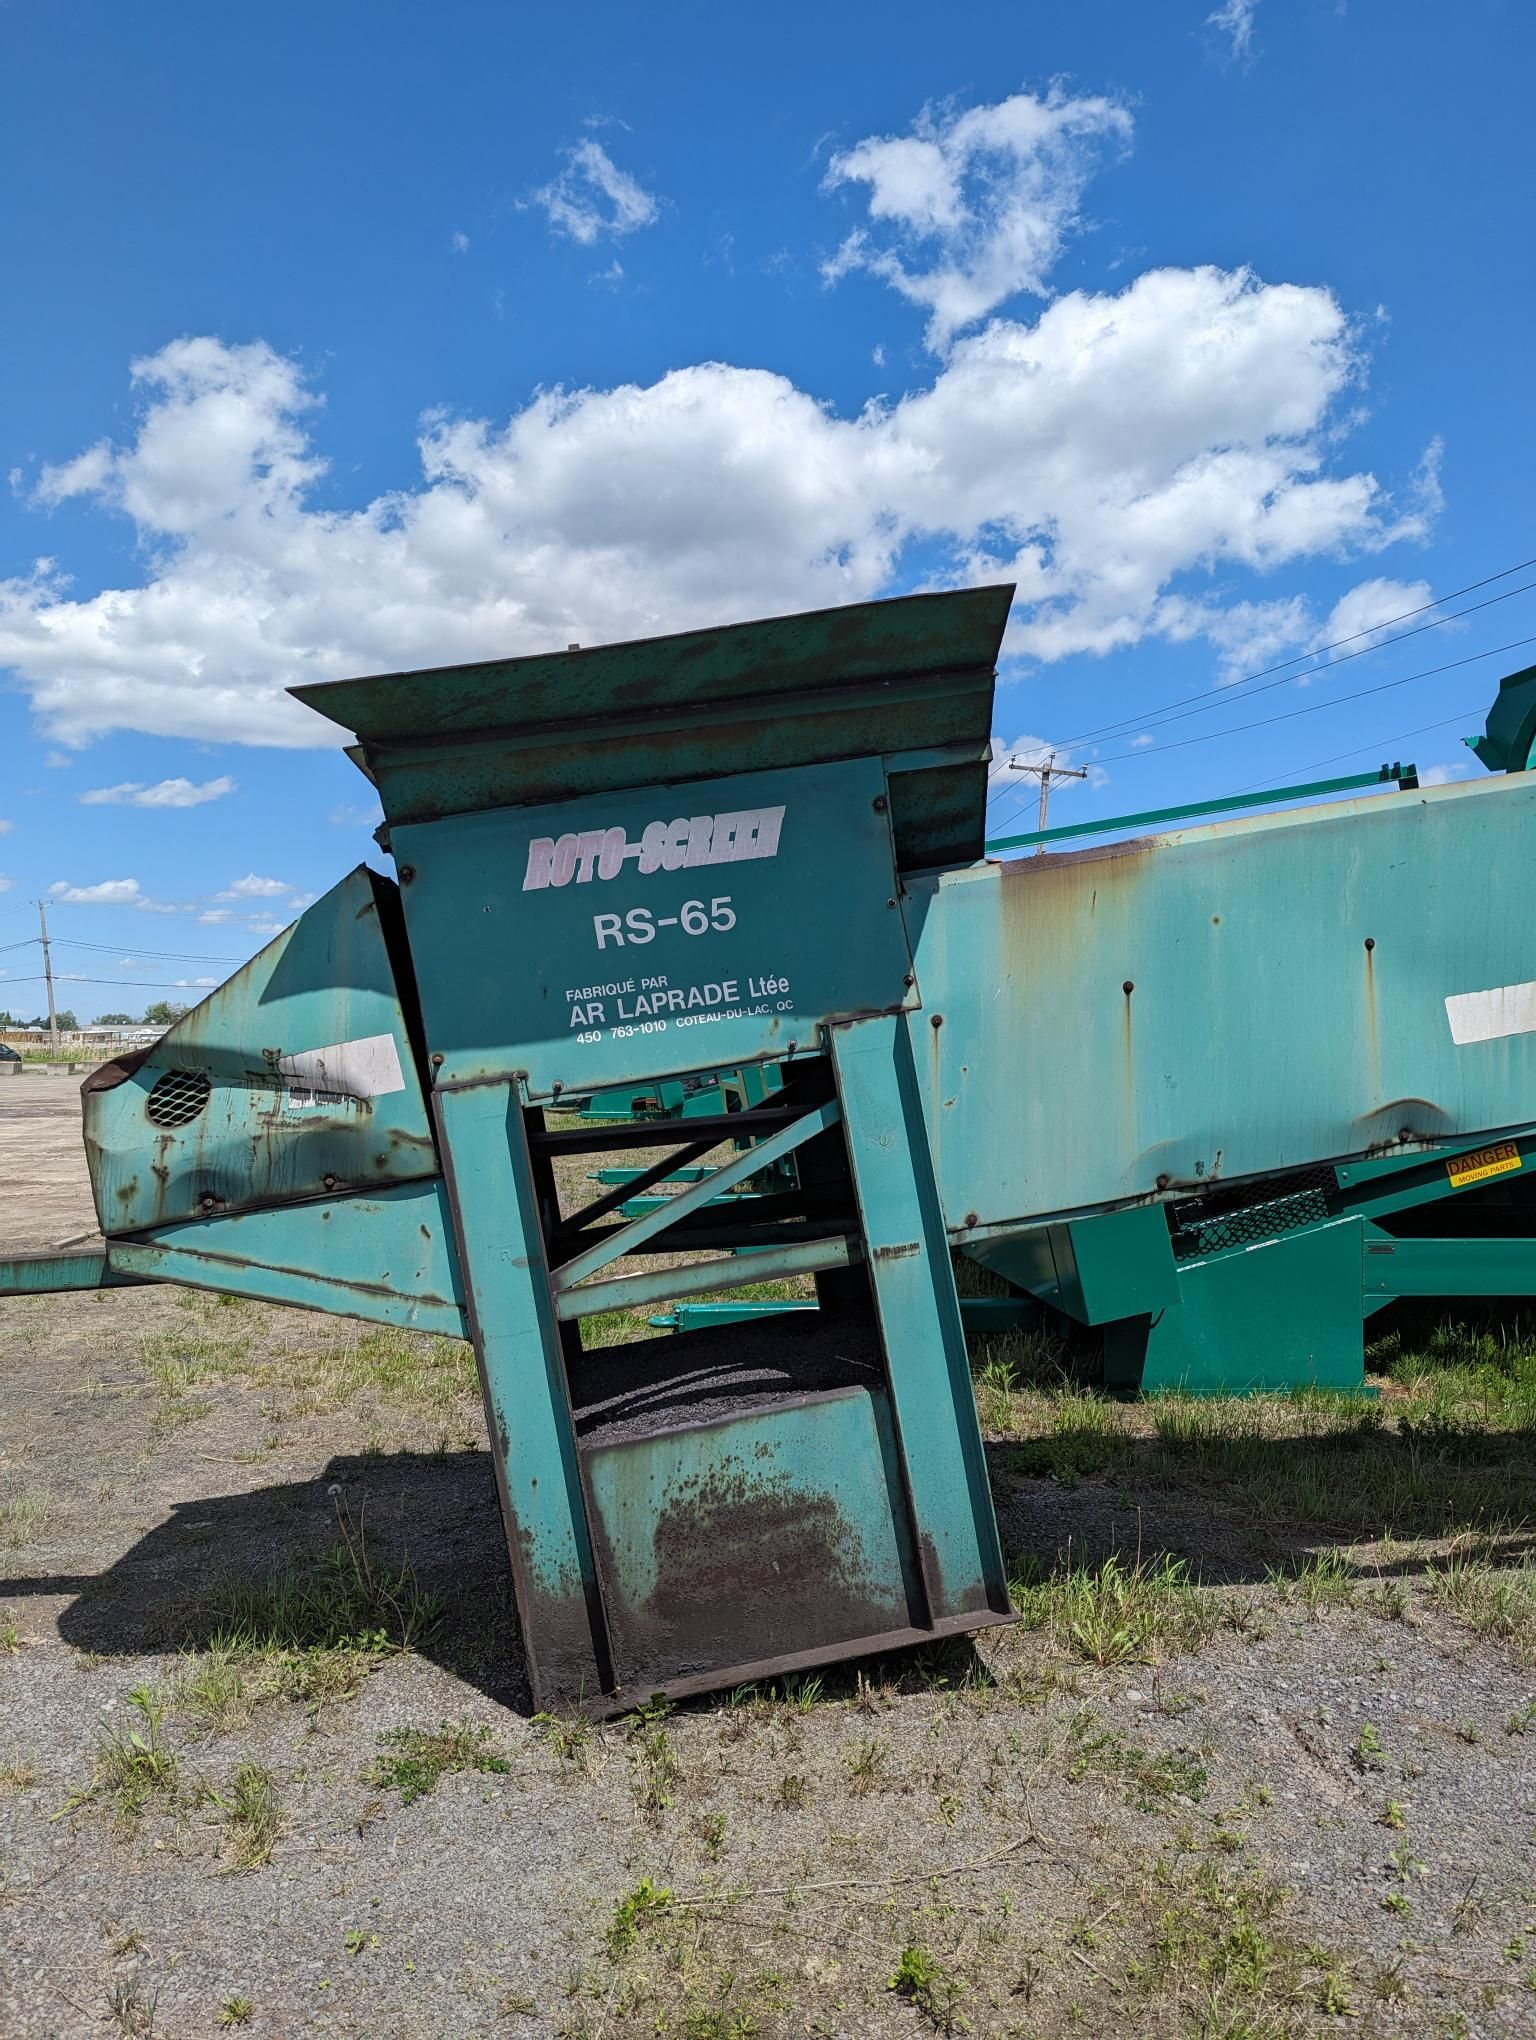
(431, 1521)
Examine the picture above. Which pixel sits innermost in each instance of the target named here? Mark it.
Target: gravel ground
(1299, 1821)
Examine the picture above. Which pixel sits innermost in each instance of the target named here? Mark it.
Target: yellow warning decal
(1483, 1163)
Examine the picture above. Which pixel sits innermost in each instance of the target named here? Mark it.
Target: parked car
(7, 1053)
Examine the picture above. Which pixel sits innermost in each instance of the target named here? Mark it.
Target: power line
(1333, 701)
(162, 955)
(128, 984)
(1371, 749)
(1315, 708)
(1165, 712)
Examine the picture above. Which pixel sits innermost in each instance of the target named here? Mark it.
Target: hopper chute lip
(900, 640)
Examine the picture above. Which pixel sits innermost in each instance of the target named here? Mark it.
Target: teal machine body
(1218, 1093)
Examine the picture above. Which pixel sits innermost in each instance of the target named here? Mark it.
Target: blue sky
(353, 338)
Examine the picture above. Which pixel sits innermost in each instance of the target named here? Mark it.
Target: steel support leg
(492, 1192)
(907, 1253)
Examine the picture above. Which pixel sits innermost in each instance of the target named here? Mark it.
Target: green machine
(1218, 1092)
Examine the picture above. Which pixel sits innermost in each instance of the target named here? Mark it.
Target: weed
(16, 1778)
(423, 1757)
(802, 1694)
(568, 1735)
(1392, 1815)
(214, 1688)
(1333, 1998)
(312, 1636)
(712, 1834)
(1522, 1721)
(1397, 1902)
(1405, 1865)
(129, 2010)
(235, 2011)
(1083, 1434)
(655, 1766)
(793, 1790)
(251, 1817)
(925, 1983)
(1368, 1753)
(639, 1908)
(1495, 1601)
(132, 1766)
(515, 2004)
(996, 1383)
(1115, 1613)
(1317, 1583)
(865, 1763)
(10, 1635)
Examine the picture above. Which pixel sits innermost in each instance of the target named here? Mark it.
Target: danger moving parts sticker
(1482, 1163)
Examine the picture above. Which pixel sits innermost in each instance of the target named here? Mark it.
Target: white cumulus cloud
(593, 196)
(167, 793)
(972, 207)
(1252, 636)
(251, 887)
(114, 892)
(1114, 456)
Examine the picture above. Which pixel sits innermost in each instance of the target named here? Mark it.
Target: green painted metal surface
(295, 1079)
(1270, 1318)
(911, 676)
(1508, 742)
(388, 1257)
(1111, 1026)
(649, 928)
(51, 1270)
(1405, 776)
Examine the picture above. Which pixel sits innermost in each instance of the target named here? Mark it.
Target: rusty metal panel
(1224, 1001)
(746, 1540)
(296, 1079)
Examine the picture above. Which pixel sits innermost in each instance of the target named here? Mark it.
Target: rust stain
(1372, 1026)
(746, 1568)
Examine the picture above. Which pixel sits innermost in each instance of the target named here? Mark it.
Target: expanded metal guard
(1249, 1213)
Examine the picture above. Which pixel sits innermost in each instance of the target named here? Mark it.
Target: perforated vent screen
(177, 1097)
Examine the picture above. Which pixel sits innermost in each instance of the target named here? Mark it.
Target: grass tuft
(1497, 1601)
(1117, 1613)
(24, 1516)
(420, 1758)
(251, 1817)
(312, 1636)
(134, 1766)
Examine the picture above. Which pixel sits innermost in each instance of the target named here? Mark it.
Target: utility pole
(53, 1011)
(1048, 770)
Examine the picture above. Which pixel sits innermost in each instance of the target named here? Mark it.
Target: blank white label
(367, 1068)
(1489, 1016)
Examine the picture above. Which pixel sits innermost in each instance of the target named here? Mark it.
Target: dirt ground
(1258, 1760)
